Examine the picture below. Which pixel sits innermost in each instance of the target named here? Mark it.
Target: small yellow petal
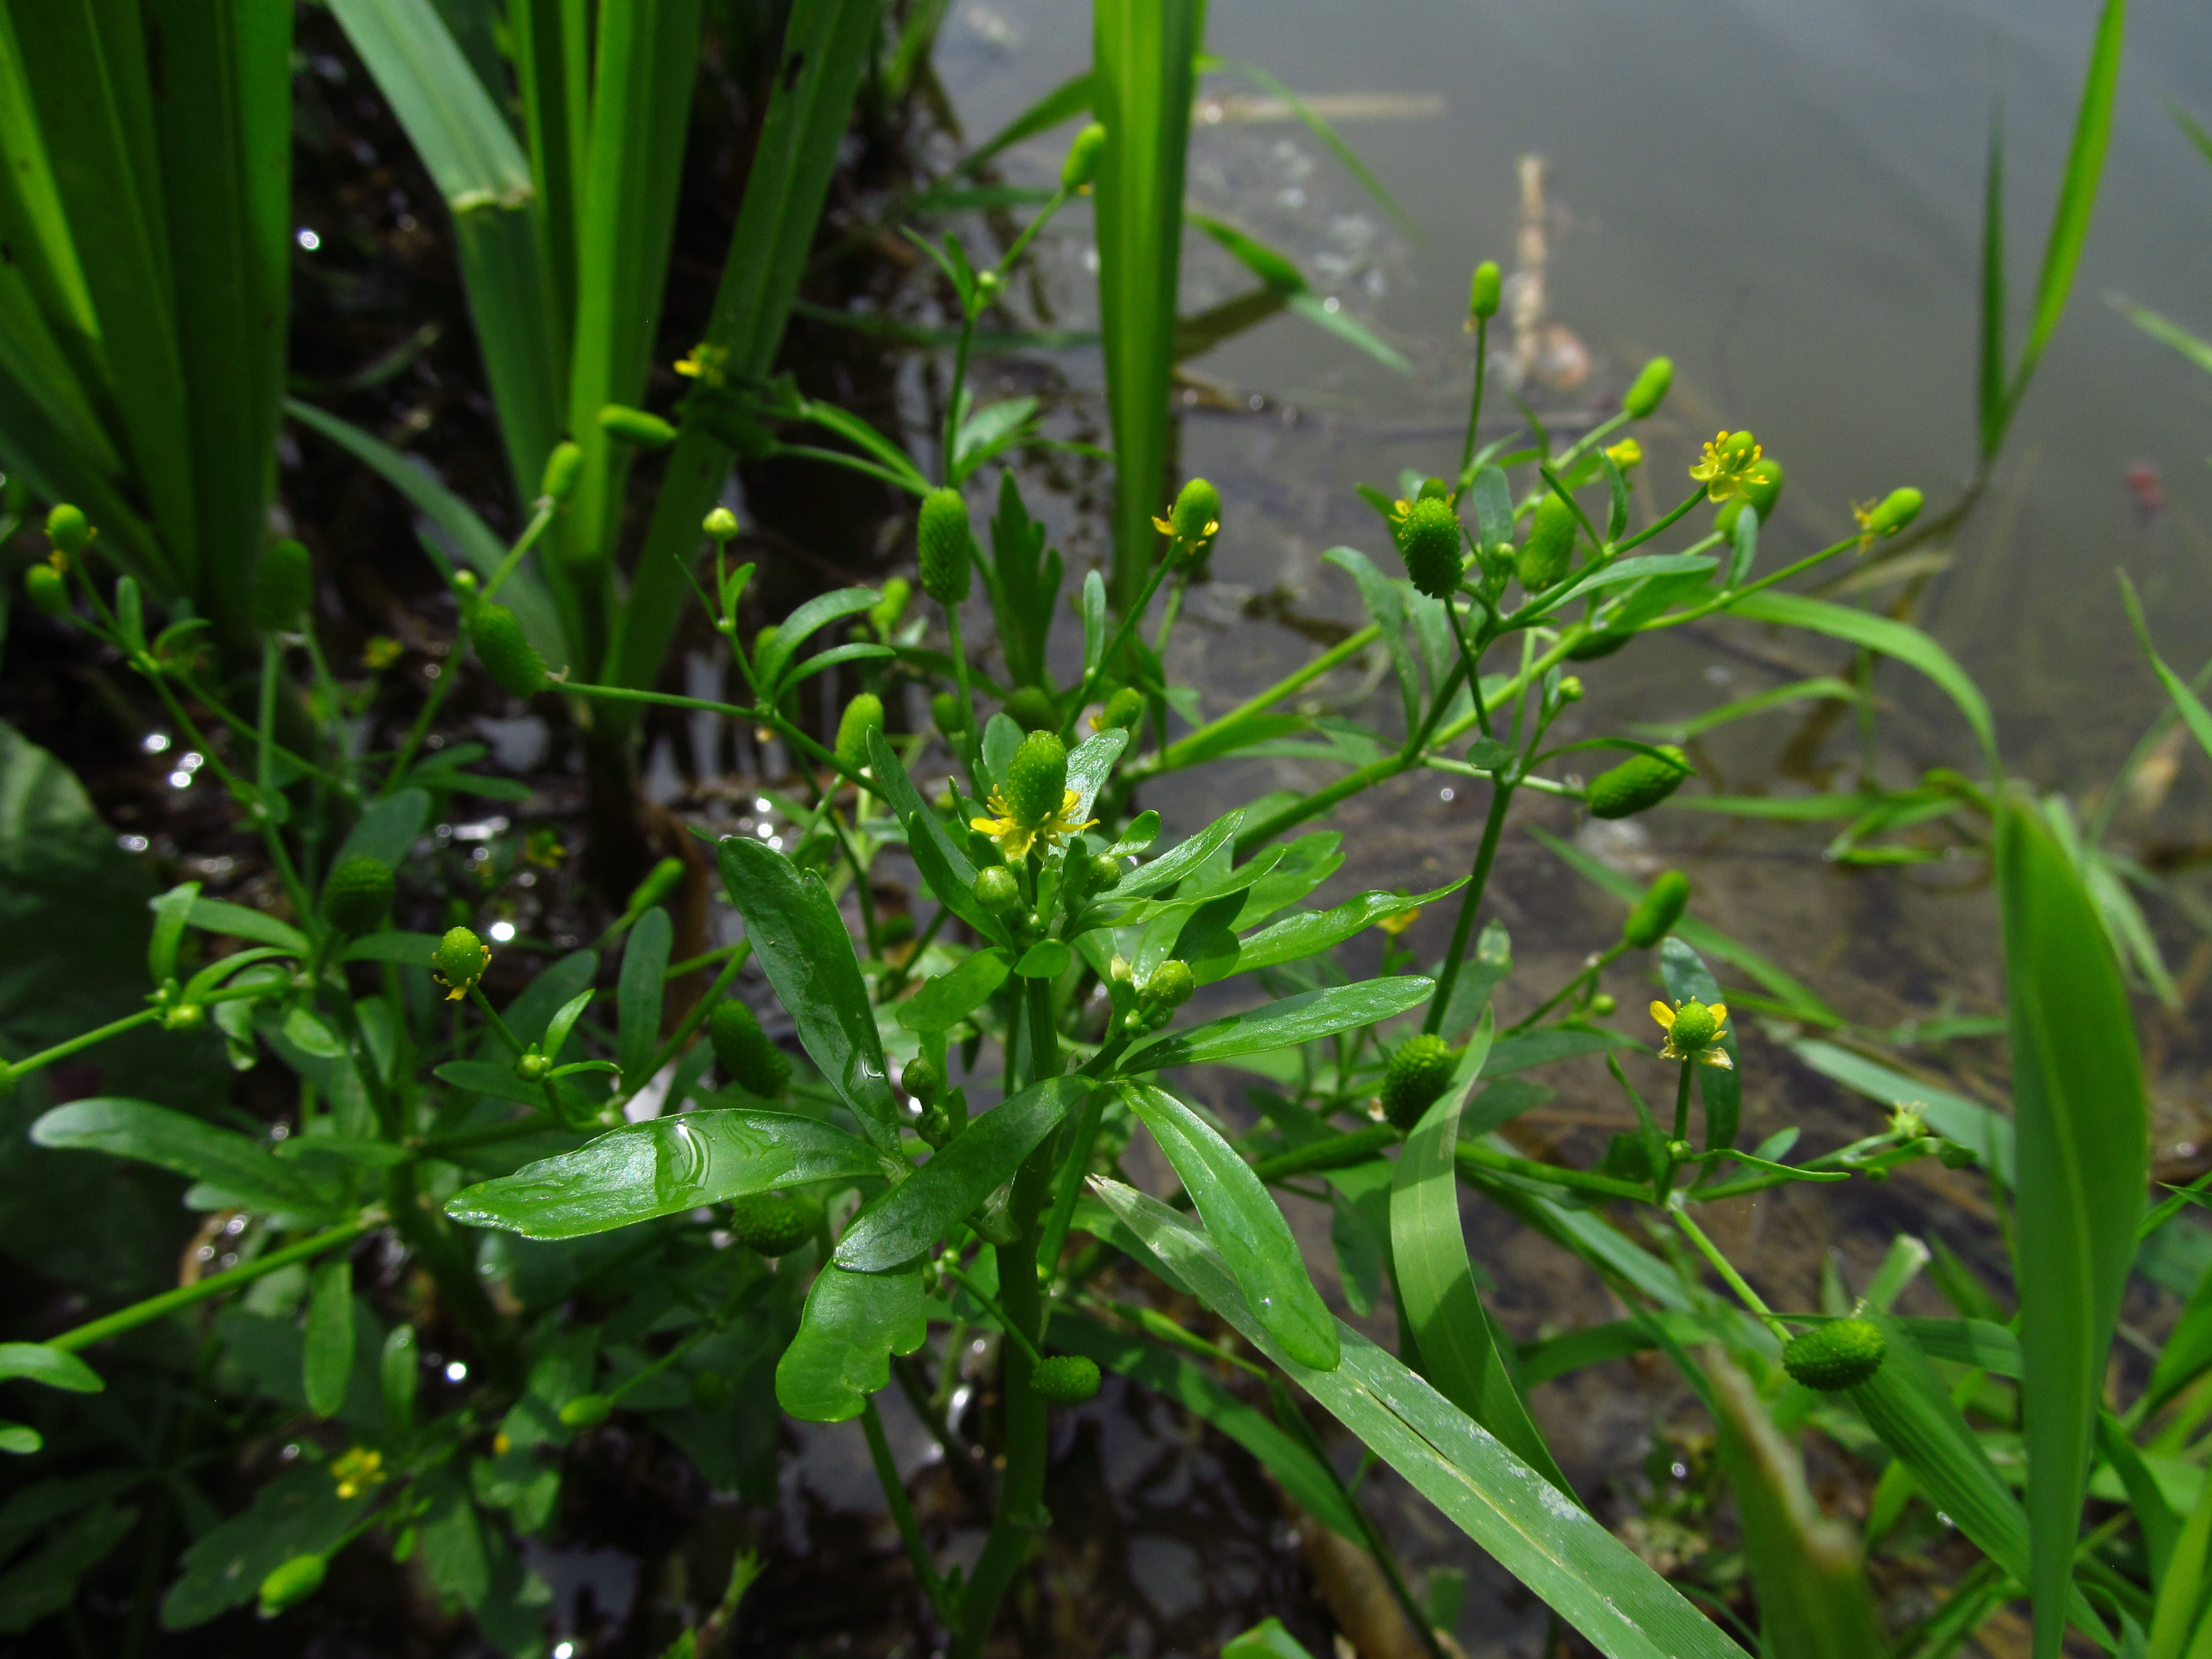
(1717, 1056)
(1664, 1015)
(1164, 526)
(1720, 1017)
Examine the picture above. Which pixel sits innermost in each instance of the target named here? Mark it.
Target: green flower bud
(1648, 390)
(1105, 873)
(1637, 784)
(1603, 643)
(722, 524)
(864, 714)
(1084, 156)
(1603, 1004)
(459, 962)
(284, 586)
(67, 530)
(533, 1067)
(508, 656)
(1065, 1379)
(1419, 1072)
(1037, 779)
(1571, 689)
(884, 614)
(1196, 516)
(1032, 708)
(291, 1583)
(562, 467)
(744, 1052)
(1544, 558)
(48, 588)
(1898, 508)
(944, 540)
(1172, 984)
(997, 891)
(634, 426)
(1122, 710)
(1482, 291)
(921, 1079)
(1838, 1355)
(1657, 911)
(946, 714)
(772, 1224)
(357, 895)
(1429, 542)
(664, 878)
(586, 1411)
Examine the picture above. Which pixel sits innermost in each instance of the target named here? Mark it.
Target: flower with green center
(709, 365)
(1694, 1031)
(459, 962)
(357, 1470)
(1725, 465)
(1034, 808)
(1627, 454)
(1419, 1072)
(1841, 1354)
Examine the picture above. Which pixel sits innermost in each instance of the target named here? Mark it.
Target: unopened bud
(1083, 156)
(562, 467)
(66, 528)
(1648, 390)
(1657, 911)
(722, 524)
(1483, 289)
(997, 891)
(635, 426)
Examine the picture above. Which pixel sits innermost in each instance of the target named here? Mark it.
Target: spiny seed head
(1083, 156)
(1657, 911)
(459, 962)
(1838, 1355)
(1483, 290)
(507, 655)
(997, 891)
(945, 713)
(1122, 710)
(1172, 984)
(48, 588)
(67, 528)
(1428, 541)
(1420, 1071)
(1065, 1379)
(634, 426)
(358, 894)
(284, 586)
(291, 1583)
(922, 1079)
(864, 714)
(772, 1224)
(1649, 389)
(1032, 708)
(1037, 778)
(562, 467)
(1197, 513)
(944, 540)
(1637, 784)
(744, 1052)
(1543, 559)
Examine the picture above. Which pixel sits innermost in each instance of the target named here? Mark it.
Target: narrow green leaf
(1328, 135)
(2183, 1595)
(1296, 937)
(1992, 369)
(852, 1324)
(1283, 1024)
(943, 859)
(54, 1367)
(1239, 1212)
(638, 996)
(1952, 1116)
(799, 939)
(1094, 622)
(327, 1355)
(802, 624)
(155, 1134)
(666, 1165)
(1071, 98)
(945, 1001)
(1633, 568)
(2168, 333)
(1179, 861)
(898, 1226)
(216, 916)
(387, 829)
(1385, 603)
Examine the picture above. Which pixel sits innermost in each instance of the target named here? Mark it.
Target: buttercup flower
(1034, 808)
(707, 364)
(357, 1470)
(1015, 838)
(1722, 468)
(1694, 1031)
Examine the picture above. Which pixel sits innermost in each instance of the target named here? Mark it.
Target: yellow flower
(1627, 454)
(1015, 838)
(1694, 1031)
(1722, 468)
(380, 653)
(357, 1470)
(1398, 921)
(707, 364)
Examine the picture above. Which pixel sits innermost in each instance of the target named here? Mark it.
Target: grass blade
(2169, 333)
(2082, 1123)
(552, 72)
(1141, 88)
(1070, 99)
(1329, 137)
(1990, 378)
(1288, 284)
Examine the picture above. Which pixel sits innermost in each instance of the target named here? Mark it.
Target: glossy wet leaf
(327, 1359)
(638, 995)
(665, 1165)
(1089, 766)
(1047, 959)
(899, 1226)
(1284, 1024)
(1553, 1545)
(852, 1326)
(1241, 1217)
(942, 857)
(799, 939)
(1297, 938)
(806, 621)
(1180, 861)
(153, 1134)
(945, 1001)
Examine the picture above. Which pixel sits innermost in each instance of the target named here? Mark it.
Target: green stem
(1682, 1103)
(1171, 759)
(1726, 1269)
(449, 671)
(1071, 1183)
(84, 1040)
(901, 1507)
(960, 1277)
(546, 508)
(1651, 530)
(1567, 990)
(971, 738)
(1131, 619)
(1501, 798)
(1474, 407)
(1473, 1158)
(491, 1015)
(156, 1307)
(1723, 601)
(948, 458)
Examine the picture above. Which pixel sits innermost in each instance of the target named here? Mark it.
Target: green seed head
(772, 1224)
(1122, 710)
(1032, 708)
(1083, 156)
(1483, 290)
(48, 588)
(1841, 1354)
(507, 655)
(586, 1411)
(634, 426)
(558, 482)
(1197, 513)
(1172, 984)
(997, 891)
(921, 1079)
(1420, 1071)
(884, 614)
(292, 1583)
(67, 529)
(1428, 541)
(864, 714)
(1693, 1029)
(1657, 911)
(1037, 779)
(744, 1052)
(459, 962)
(284, 586)
(1065, 1379)
(722, 524)
(1648, 390)
(945, 713)
(1105, 873)
(1637, 784)
(1543, 559)
(1898, 508)
(1762, 486)
(943, 541)
(357, 895)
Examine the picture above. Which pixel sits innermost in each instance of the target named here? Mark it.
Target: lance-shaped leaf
(155, 1134)
(1172, 866)
(1554, 1546)
(944, 860)
(665, 1165)
(1296, 937)
(1301, 1019)
(55, 1367)
(1240, 1215)
(902, 1223)
(852, 1326)
(638, 996)
(800, 940)
(945, 1001)
(804, 624)
(1457, 1340)
(327, 1354)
